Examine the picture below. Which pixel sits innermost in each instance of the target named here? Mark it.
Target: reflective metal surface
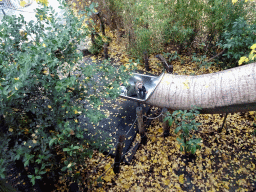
(149, 82)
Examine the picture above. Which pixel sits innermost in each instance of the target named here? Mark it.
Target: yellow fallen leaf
(166, 181)
(177, 186)
(160, 130)
(225, 185)
(164, 173)
(175, 165)
(110, 173)
(10, 129)
(16, 88)
(126, 186)
(143, 158)
(186, 84)
(208, 151)
(17, 78)
(252, 113)
(49, 106)
(181, 179)
(107, 166)
(153, 139)
(107, 178)
(253, 167)
(23, 3)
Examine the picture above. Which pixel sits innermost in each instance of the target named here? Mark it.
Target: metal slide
(149, 82)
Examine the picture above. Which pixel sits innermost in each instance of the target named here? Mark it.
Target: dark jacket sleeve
(143, 89)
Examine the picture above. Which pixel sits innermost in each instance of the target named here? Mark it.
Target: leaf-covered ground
(226, 161)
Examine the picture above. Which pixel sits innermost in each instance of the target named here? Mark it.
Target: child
(137, 90)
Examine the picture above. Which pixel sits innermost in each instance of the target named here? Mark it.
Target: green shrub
(180, 35)
(43, 92)
(220, 14)
(171, 56)
(177, 22)
(201, 61)
(237, 41)
(185, 121)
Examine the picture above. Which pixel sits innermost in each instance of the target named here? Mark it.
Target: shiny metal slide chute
(150, 83)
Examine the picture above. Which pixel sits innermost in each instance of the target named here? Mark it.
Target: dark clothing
(132, 92)
(142, 92)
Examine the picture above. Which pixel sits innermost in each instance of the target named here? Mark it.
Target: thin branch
(219, 54)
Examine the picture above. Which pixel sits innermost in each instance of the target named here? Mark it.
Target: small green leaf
(42, 172)
(76, 147)
(189, 142)
(2, 176)
(33, 180)
(170, 122)
(66, 149)
(17, 157)
(64, 169)
(26, 163)
(38, 161)
(51, 141)
(177, 129)
(193, 149)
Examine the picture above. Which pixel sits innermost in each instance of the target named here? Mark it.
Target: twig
(217, 55)
(223, 122)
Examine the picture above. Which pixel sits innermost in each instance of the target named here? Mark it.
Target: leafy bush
(171, 56)
(237, 41)
(179, 22)
(44, 88)
(201, 61)
(184, 23)
(142, 22)
(180, 35)
(185, 121)
(220, 16)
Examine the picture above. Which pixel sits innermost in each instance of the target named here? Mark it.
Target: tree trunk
(228, 91)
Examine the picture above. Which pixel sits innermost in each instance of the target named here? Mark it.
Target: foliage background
(187, 26)
(43, 135)
(44, 88)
